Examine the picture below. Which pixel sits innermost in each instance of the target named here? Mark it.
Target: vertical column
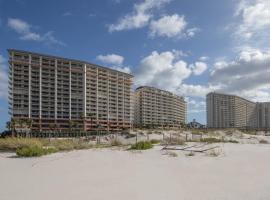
(69, 90)
(97, 117)
(84, 90)
(12, 85)
(55, 89)
(29, 87)
(123, 99)
(108, 101)
(117, 95)
(40, 87)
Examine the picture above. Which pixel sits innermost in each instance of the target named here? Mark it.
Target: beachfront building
(263, 115)
(230, 111)
(59, 93)
(158, 108)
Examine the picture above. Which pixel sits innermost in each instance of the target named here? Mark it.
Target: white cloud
(24, 29)
(254, 18)
(142, 13)
(111, 59)
(115, 61)
(192, 32)
(169, 26)
(198, 67)
(247, 75)
(163, 70)
(3, 78)
(195, 90)
(122, 69)
(204, 58)
(67, 14)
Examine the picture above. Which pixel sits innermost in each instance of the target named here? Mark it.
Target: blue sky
(189, 47)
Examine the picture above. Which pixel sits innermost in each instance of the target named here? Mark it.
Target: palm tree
(8, 126)
(13, 124)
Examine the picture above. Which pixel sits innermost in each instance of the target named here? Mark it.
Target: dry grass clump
(69, 144)
(214, 152)
(263, 141)
(174, 141)
(115, 143)
(171, 153)
(217, 140)
(12, 144)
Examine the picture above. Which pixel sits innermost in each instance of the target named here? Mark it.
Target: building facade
(263, 117)
(155, 107)
(57, 93)
(230, 111)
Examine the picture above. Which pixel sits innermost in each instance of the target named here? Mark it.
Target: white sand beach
(242, 171)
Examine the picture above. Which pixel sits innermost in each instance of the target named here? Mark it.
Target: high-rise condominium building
(155, 107)
(230, 111)
(263, 115)
(56, 93)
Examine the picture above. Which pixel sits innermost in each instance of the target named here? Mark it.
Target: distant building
(263, 115)
(56, 93)
(230, 111)
(195, 124)
(155, 107)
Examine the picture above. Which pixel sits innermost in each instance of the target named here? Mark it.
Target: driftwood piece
(192, 150)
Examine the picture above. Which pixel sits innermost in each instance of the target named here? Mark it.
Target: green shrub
(232, 141)
(211, 140)
(34, 150)
(191, 153)
(154, 141)
(143, 145)
(263, 141)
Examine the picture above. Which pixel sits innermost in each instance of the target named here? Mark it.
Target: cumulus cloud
(140, 16)
(162, 70)
(204, 58)
(114, 61)
(247, 74)
(198, 67)
(195, 90)
(111, 59)
(169, 26)
(3, 78)
(254, 18)
(25, 31)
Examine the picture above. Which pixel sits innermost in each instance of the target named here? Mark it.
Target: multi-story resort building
(58, 93)
(263, 115)
(155, 107)
(231, 111)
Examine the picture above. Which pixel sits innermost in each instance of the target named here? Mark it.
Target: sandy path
(243, 173)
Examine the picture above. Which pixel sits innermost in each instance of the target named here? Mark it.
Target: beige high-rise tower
(54, 91)
(230, 111)
(155, 107)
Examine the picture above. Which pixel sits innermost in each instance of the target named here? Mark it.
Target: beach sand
(242, 171)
